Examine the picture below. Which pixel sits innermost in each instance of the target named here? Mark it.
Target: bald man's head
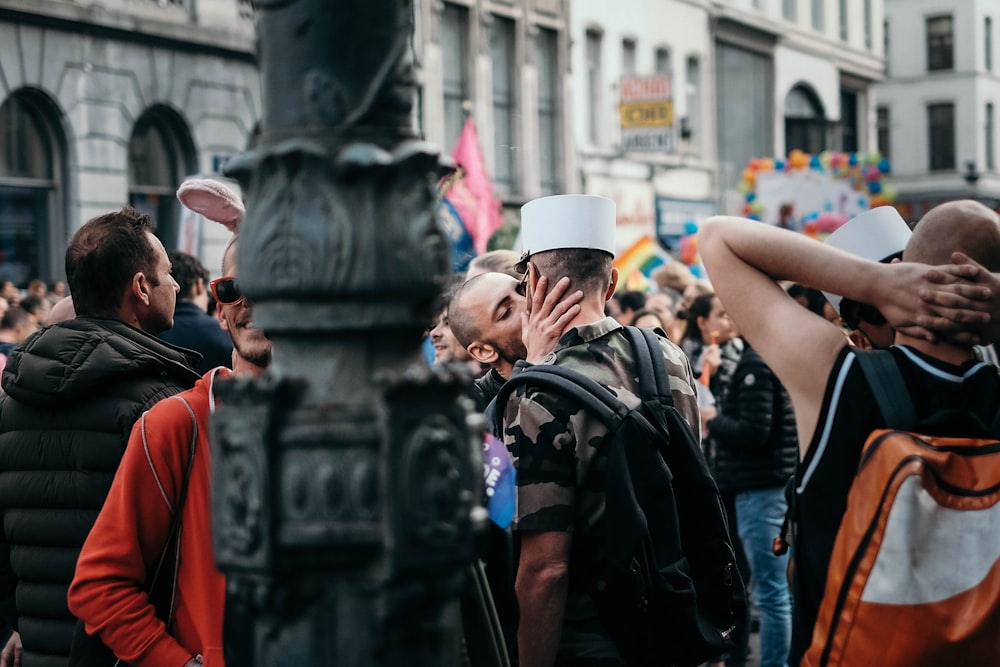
(965, 226)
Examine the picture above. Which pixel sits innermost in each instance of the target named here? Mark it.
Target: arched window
(32, 234)
(160, 155)
(805, 121)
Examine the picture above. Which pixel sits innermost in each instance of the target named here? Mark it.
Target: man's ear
(198, 288)
(220, 314)
(614, 283)
(140, 287)
(484, 353)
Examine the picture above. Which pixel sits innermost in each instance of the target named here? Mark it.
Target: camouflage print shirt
(555, 444)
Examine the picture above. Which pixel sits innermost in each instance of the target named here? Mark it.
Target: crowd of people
(108, 389)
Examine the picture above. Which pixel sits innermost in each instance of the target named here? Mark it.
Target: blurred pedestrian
(194, 328)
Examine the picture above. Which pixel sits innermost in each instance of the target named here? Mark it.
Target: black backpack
(667, 587)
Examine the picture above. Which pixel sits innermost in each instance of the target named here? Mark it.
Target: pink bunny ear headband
(214, 201)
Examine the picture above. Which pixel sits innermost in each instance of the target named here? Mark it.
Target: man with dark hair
(631, 302)
(15, 326)
(134, 526)
(193, 327)
(555, 444)
(72, 393)
(37, 310)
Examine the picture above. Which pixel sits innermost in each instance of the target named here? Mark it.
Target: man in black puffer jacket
(72, 393)
(756, 452)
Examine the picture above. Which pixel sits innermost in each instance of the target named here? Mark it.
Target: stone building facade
(116, 102)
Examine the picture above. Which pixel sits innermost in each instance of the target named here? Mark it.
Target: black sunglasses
(853, 313)
(226, 290)
(522, 287)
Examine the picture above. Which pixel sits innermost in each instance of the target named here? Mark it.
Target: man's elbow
(548, 574)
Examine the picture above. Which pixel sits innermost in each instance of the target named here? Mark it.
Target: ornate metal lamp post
(343, 485)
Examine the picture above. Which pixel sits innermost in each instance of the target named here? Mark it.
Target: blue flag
(499, 476)
(462, 249)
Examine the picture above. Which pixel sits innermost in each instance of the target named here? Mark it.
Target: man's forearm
(541, 595)
(786, 255)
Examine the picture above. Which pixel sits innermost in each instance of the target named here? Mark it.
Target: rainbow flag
(642, 257)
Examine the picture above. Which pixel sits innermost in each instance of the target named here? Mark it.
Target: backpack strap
(592, 396)
(886, 381)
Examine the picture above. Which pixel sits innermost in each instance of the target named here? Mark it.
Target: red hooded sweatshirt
(109, 591)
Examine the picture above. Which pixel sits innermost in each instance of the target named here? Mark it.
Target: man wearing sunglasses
(135, 524)
(72, 392)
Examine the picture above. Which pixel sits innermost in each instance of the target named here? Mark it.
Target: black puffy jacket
(756, 444)
(73, 392)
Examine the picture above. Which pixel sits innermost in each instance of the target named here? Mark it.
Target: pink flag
(472, 195)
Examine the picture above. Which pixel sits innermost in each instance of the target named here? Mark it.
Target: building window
(548, 111)
(882, 127)
(744, 91)
(504, 107)
(805, 121)
(868, 25)
(454, 61)
(941, 125)
(690, 127)
(988, 43)
(160, 155)
(628, 57)
(843, 20)
(818, 9)
(32, 238)
(788, 9)
(885, 45)
(595, 86)
(848, 121)
(939, 43)
(661, 60)
(990, 157)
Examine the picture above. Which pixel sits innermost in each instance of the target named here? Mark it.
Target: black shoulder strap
(593, 397)
(647, 347)
(886, 380)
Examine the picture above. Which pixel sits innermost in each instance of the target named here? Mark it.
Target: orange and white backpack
(914, 577)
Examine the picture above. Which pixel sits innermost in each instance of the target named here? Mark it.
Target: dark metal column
(344, 484)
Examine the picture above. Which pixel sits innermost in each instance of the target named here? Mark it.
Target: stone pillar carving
(344, 484)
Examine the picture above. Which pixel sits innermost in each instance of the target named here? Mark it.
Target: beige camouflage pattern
(554, 443)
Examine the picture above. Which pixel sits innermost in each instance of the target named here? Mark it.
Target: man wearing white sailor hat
(879, 235)
(570, 236)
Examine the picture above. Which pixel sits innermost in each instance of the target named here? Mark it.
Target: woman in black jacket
(756, 452)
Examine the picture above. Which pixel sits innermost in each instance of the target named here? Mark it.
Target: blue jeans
(759, 514)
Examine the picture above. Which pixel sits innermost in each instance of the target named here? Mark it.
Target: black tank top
(847, 417)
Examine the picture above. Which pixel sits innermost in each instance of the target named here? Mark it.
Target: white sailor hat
(879, 235)
(567, 221)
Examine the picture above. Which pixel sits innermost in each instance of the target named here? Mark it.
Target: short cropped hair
(588, 270)
(632, 300)
(496, 261)
(104, 255)
(14, 317)
(186, 270)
